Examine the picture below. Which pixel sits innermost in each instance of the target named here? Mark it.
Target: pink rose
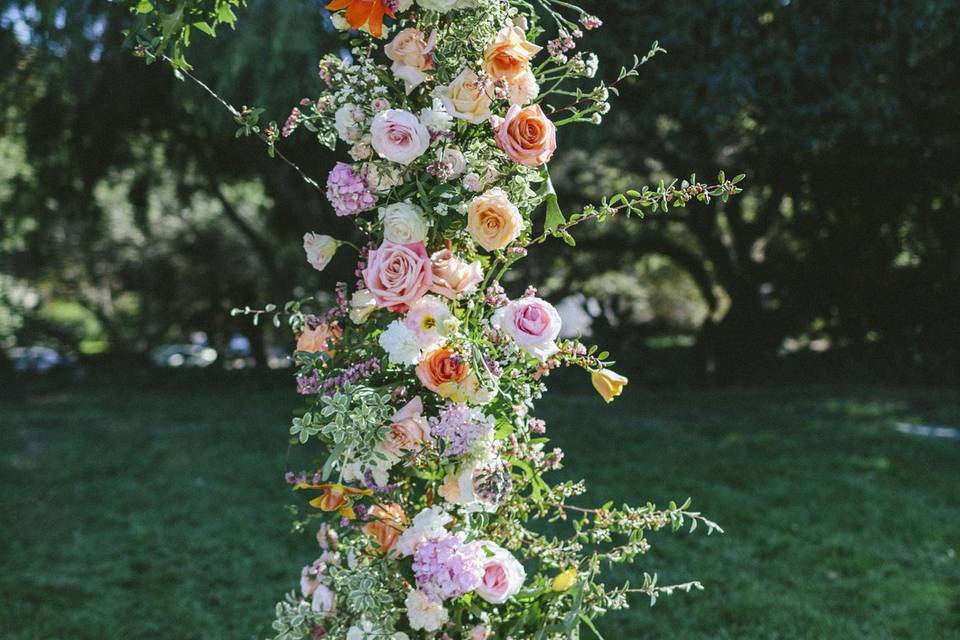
(533, 323)
(398, 274)
(527, 135)
(399, 136)
(453, 277)
(503, 575)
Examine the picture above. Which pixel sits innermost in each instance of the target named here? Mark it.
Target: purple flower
(348, 192)
(460, 427)
(448, 567)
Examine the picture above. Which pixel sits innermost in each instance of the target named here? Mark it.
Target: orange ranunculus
(442, 366)
(335, 497)
(362, 13)
(319, 340)
(387, 524)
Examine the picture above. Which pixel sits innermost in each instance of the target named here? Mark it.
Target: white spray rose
(424, 613)
(347, 121)
(404, 223)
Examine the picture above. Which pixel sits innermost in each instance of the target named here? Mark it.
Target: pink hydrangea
(447, 567)
(348, 192)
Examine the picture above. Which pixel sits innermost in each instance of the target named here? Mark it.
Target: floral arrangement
(421, 379)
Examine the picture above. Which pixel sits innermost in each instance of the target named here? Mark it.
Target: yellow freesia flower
(608, 384)
(565, 580)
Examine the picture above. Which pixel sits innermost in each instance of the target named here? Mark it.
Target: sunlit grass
(153, 507)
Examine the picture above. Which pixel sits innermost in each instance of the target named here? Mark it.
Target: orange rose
(527, 136)
(508, 57)
(388, 523)
(440, 367)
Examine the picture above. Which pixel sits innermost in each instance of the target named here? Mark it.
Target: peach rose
(493, 221)
(466, 98)
(398, 274)
(453, 277)
(527, 136)
(387, 523)
(320, 339)
(408, 430)
(412, 55)
(508, 57)
(441, 367)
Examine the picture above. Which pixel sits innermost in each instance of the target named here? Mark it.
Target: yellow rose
(608, 384)
(565, 580)
(493, 221)
(466, 98)
(508, 57)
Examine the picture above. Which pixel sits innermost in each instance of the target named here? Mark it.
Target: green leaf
(555, 216)
(144, 6)
(206, 28)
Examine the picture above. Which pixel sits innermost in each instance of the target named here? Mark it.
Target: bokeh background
(794, 353)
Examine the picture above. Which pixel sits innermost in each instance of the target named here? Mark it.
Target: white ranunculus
(404, 223)
(320, 250)
(524, 89)
(436, 118)
(346, 121)
(441, 6)
(429, 523)
(401, 344)
(399, 136)
(424, 613)
(362, 304)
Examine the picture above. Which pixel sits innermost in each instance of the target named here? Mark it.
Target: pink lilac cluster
(495, 296)
(591, 22)
(352, 375)
(538, 426)
(563, 43)
(348, 192)
(448, 567)
(459, 426)
(291, 124)
(342, 308)
(302, 478)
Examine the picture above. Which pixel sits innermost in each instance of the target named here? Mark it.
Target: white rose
(404, 223)
(345, 121)
(429, 523)
(424, 613)
(399, 136)
(320, 250)
(362, 304)
(454, 159)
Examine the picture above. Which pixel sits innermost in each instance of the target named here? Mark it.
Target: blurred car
(37, 359)
(177, 356)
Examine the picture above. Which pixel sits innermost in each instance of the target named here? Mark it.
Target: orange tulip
(364, 12)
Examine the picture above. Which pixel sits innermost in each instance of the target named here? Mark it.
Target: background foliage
(131, 216)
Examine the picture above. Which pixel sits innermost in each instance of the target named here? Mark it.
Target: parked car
(37, 359)
(183, 355)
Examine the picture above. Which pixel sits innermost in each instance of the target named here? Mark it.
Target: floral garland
(420, 382)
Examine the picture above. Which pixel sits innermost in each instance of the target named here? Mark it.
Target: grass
(151, 506)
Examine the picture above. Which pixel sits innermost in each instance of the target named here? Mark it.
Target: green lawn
(152, 506)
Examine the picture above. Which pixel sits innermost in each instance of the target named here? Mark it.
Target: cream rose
(399, 136)
(362, 304)
(493, 221)
(466, 98)
(403, 223)
(320, 250)
(412, 54)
